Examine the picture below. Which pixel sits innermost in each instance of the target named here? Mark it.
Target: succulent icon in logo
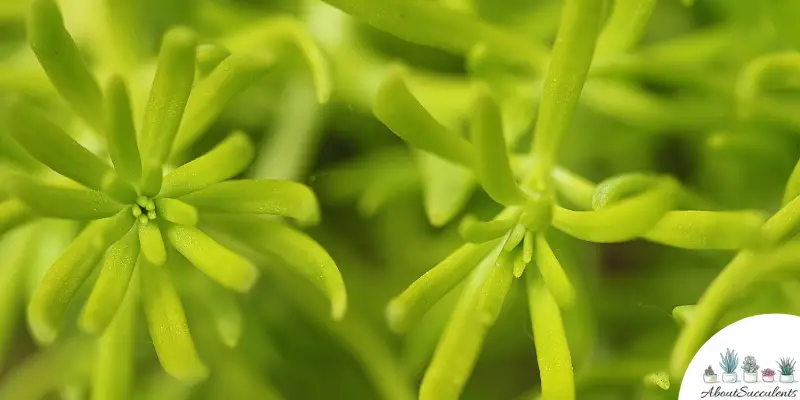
(750, 368)
(709, 376)
(786, 366)
(728, 363)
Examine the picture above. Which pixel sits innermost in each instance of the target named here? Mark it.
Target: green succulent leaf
(54, 293)
(552, 350)
(284, 198)
(224, 266)
(475, 231)
(212, 93)
(225, 161)
(297, 250)
(461, 342)
(111, 286)
(152, 243)
(167, 324)
(566, 75)
(165, 108)
(707, 229)
(114, 361)
(176, 211)
(209, 56)
(400, 111)
(624, 27)
(62, 202)
(793, 186)
(683, 314)
(53, 147)
(121, 134)
(434, 25)
(554, 277)
(446, 187)
(63, 63)
(13, 213)
(629, 218)
(411, 305)
(275, 35)
(491, 160)
(16, 252)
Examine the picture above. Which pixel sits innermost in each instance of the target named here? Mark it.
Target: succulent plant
(786, 366)
(709, 371)
(749, 365)
(728, 361)
(768, 372)
(142, 218)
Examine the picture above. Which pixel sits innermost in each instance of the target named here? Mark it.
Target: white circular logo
(756, 357)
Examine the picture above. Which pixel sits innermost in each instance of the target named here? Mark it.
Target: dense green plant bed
(396, 199)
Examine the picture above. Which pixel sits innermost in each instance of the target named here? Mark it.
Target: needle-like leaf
(16, 252)
(167, 324)
(62, 61)
(461, 342)
(397, 108)
(54, 293)
(13, 212)
(491, 160)
(276, 35)
(566, 75)
(121, 134)
(409, 307)
(152, 243)
(165, 108)
(111, 285)
(623, 221)
(224, 161)
(435, 25)
(208, 98)
(209, 56)
(53, 147)
(446, 187)
(472, 230)
(707, 229)
(274, 197)
(224, 266)
(298, 251)
(114, 361)
(552, 351)
(61, 202)
(557, 282)
(176, 211)
(793, 185)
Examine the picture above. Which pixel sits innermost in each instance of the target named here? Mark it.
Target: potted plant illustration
(728, 363)
(750, 369)
(709, 376)
(786, 365)
(768, 375)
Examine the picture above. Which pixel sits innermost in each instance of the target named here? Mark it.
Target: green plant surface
(525, 200)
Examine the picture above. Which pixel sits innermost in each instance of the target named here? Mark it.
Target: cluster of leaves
(786, 365)
(599, 101)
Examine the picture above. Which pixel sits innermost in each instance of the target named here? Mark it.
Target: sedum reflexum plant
(142, 219)
(622, 208)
